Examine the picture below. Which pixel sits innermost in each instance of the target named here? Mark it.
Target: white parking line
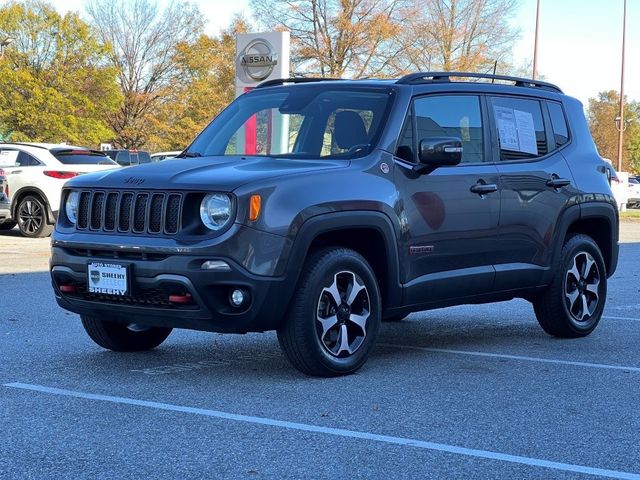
(407, 442)
(611, 317)
(515, 357)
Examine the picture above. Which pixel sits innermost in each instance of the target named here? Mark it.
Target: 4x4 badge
(384, 167)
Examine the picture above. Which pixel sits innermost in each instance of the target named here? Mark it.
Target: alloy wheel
(582, 283)
(342, 313)
(30, 217)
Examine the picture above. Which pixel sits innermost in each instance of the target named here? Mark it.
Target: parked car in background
(5, 204)
(618, 185)
(128, 158)
(158, 157)
(633, 192)
(35, 174)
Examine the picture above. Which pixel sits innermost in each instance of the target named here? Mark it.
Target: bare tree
(460, 35)
(143, 38)
(335, 38)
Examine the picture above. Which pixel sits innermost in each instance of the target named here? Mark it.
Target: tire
(572, 304)
(122, 337)
(7, 226)
(341, 344)
(32, 217)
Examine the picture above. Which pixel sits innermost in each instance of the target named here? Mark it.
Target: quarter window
(520, 126)
(452, 116)
(26, 160)
(559, 124)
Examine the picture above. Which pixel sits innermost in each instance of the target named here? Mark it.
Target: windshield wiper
(189, 155)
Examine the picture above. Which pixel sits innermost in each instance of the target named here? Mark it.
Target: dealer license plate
(108, 278)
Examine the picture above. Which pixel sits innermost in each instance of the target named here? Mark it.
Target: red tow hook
(68, 288)
(182, 299)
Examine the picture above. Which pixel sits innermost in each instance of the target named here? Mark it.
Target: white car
(633, 193)
(158, 157)
(35, 175)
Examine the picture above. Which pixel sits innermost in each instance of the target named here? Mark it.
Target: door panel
(537, 186)
(449, 216)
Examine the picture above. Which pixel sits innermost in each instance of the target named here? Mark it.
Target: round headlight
(71, 207)
(215, 210)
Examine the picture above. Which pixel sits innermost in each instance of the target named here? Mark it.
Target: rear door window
(26, 160)
(123, 158)
(520, 128)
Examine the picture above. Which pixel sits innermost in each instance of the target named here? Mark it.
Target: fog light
(237, 297)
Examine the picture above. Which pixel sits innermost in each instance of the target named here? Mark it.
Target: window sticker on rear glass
(516, 130)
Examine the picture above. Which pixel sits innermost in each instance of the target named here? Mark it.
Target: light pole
(3, 44)
(535, 42)
(620, 123)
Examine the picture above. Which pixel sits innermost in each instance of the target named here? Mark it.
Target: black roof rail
(429, 77)
(281, 81)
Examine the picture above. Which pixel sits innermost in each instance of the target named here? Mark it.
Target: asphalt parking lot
(464, 392)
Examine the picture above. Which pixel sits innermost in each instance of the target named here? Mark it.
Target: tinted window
(26, 160)
(144, 157)
(82, 157)
(520, 128)
(405, 142)
(123, 158)
(559, 124)
(452, 116)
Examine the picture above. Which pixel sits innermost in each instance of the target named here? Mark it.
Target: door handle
(482, 188)
(557, 182)
(14, 172)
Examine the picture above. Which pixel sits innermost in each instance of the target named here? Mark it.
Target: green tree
(54, 81)
(602, 113)
(208, 85)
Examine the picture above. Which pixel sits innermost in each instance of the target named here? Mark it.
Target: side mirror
(440, 151)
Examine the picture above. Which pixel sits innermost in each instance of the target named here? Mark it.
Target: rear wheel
(572, 305)
(334, 316)
(123, 337)
(32, 217)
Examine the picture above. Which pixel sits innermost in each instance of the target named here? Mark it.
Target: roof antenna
(495, 67)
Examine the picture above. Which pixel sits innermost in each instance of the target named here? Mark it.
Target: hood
(211, 173)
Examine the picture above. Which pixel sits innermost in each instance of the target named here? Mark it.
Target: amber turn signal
(255, 203)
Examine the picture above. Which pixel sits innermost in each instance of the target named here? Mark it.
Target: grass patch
(631, 215)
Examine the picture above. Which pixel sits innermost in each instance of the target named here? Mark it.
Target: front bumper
(154, 277)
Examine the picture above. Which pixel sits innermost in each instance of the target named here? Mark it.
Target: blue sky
(579, 46)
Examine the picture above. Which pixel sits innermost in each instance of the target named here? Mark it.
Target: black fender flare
(320, 224)
(584, 211)
(51, 217)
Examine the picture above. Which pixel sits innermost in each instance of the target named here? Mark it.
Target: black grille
(96, 210)
(155, 213)
(140, 212)
(110, 212)
(83, 210)
(173, 213)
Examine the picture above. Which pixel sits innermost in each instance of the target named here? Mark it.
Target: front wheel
(123, 337)
(573, 303)
(334, 316)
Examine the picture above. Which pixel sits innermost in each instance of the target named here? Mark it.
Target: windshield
(301, 121)
(82, 157)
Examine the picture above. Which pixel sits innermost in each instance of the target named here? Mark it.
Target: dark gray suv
(319, 208)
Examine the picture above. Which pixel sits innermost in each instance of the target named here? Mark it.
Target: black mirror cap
(440, 151)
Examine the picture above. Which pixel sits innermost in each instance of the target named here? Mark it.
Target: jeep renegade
(319, 208)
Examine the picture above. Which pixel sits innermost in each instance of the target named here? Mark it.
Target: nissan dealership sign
(261, 57)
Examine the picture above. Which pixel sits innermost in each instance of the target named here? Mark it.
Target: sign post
(261, 57)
